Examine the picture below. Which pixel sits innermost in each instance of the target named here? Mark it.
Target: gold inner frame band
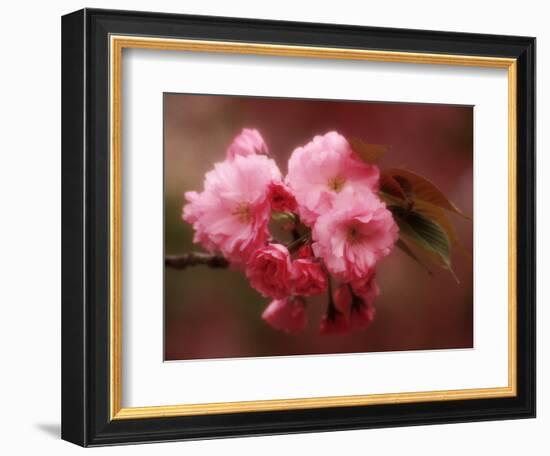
(117, 44)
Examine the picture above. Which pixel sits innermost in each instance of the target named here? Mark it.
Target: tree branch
(195, 259)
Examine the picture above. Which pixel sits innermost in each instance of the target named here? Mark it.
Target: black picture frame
(85, 228)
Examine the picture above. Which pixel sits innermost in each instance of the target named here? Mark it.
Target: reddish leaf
(390, 186)
(370, 153)
(420, 188)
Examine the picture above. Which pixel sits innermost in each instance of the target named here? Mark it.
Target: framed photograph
(277, 227)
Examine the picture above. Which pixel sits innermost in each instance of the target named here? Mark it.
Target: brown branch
(195, 259)
(218, 261)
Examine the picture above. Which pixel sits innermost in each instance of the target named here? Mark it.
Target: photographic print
(248, 200)
(302, 227)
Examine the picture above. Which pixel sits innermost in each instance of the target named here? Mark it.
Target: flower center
(242, 212)
(336, 183)
(278, 198)
(353, 235)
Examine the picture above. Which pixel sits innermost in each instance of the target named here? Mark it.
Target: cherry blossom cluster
(328, 202)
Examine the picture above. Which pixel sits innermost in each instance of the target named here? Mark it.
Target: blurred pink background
(215, 314)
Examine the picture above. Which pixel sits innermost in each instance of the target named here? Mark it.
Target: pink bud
(286, 315)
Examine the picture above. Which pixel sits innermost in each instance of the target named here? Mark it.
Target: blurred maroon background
(215, 314)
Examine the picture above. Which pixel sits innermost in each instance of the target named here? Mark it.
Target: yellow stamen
(336, 183)
(243, 213)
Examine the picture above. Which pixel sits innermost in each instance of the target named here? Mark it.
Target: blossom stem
(331, 308)
(297, 243)
(195, 259)
(356, 301)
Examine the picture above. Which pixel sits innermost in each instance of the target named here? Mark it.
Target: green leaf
(369, 153)
(439, 216)
(284, 217)
(426, 234)
(417, 187)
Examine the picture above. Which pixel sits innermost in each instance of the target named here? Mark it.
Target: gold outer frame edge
(117, 44)
(115, 235)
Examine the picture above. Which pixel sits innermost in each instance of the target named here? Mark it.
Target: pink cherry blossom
(305, 251)
(362, 314)
(320, 170)
(308, 277)
(269, 271)
(334, 322)
(286, 314)
(342, 299)
(356, 233)
(362, 311)
(248, 142)
(366, 287)
(351, 311)
(231, 214)
(281, 197)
